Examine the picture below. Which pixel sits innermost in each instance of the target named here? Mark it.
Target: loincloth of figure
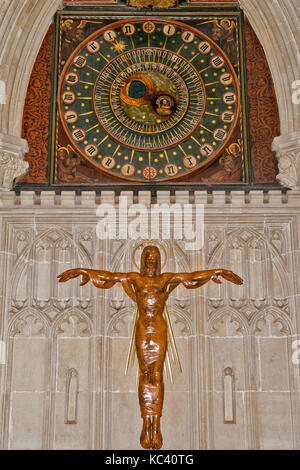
(151, 344)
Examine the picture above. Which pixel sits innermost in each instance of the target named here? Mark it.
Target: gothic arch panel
(27, 381)
(272, 336)
(72, 373)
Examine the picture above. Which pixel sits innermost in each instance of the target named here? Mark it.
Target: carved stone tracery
(271, 323)
(255, 255)
(29, 325)
(34, 274)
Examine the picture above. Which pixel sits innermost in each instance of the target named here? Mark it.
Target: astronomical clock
(148, 99)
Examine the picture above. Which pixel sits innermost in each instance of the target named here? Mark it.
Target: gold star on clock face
(119, 46)
(161, 99)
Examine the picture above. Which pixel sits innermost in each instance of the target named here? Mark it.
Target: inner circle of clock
(150, 97)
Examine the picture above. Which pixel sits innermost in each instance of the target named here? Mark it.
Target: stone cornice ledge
(12, 164)
(287, 148)
(90, 200)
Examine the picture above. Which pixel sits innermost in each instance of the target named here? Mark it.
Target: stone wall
(62, 375)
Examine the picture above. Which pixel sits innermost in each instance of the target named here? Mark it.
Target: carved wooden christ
(150, 289)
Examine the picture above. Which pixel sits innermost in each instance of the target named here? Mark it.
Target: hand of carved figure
(228, 275)
(72, 273)
(150, 289)
(87, 275)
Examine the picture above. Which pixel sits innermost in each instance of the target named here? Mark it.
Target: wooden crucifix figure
(150, 289)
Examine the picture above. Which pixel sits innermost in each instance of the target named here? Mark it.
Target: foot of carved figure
(156, 434)
(145, 438)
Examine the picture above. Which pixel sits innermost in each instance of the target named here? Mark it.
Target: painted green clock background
(148, 100)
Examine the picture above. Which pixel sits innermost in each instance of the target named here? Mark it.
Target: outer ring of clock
(197, 33)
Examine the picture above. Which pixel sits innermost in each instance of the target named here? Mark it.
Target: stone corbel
(287, 148)
(12, 164)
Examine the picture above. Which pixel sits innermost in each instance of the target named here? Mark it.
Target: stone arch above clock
(237, 163)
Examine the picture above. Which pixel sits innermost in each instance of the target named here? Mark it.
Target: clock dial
(148, 100)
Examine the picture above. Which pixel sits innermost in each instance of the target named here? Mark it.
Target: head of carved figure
(150, 261)
(68, 25)
(79, 35)
(217, 31)
(235, 149)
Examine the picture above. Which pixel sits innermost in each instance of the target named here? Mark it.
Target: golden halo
(150, 242)
(234, 144)
(64, 148)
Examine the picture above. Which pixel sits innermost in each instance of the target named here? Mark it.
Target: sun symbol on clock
(119, 46)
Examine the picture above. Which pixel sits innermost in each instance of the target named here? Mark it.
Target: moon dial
(150, 99)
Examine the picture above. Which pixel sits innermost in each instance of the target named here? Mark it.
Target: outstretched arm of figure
(199, 278)
(100, 279)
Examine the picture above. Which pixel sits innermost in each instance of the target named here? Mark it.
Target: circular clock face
(148, 100)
